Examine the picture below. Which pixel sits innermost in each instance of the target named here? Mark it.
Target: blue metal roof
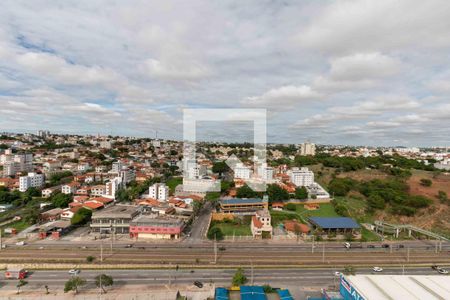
(252, 293)
(334, 223)
(241, 201)
(221, 294)
(285, 295)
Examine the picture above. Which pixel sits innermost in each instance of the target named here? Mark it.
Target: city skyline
(321, 75)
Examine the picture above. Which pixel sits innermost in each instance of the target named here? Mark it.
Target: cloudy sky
(341, 72)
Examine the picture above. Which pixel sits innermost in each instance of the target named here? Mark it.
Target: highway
(276, 277)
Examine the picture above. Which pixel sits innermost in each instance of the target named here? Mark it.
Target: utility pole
(101, 251)
(251, 262)
(436, 247)
(403, 269)
(312, 245)
(170, 274)
(1, 246)
(407, 254)
(323, 252)
(215, 248)
(112, 235)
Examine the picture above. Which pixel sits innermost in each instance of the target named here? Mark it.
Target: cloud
(186, 70)
(283, 98)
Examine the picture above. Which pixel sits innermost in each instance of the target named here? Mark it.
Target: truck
(348, 245)
(16, 273)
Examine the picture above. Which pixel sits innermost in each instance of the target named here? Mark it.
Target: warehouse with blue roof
(338, 225)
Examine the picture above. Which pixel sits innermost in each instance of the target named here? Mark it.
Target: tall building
(31, 180)
(307, 149)
(159, 191)
(265, 172)
(117, 166)
(242, 172)
(195, 171)
(301, 177)
(20, 163)
(112, 187)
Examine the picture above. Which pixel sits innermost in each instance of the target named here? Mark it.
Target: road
(200, 225)
(276, 277)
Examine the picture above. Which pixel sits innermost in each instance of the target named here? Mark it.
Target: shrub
(291, 206)
(215, 233)
(426, 182)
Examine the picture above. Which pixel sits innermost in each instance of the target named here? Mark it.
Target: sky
(332, 72)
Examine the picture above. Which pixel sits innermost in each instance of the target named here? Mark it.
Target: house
(261, 224)
(98, 190)
(293, 226)
(46, 193)
(50, 215)
(93, 205)
(69, 188)
(277, 206)
(68, 213)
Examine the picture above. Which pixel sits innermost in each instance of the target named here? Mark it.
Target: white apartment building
(159, 191)
(83, 167)
(117, 166)
(265, 172)
(100, 169)
(31, 180)
(301, 177)
(112, 187)
(69, 188)
(195, 170)
(127, 175)
(242, 172)
(307, 149)
(98, 190)
(200, 185)
(19, 163)
(105, 144)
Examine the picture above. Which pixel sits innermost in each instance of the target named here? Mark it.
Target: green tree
(73, 284)
(246, 192)
(90, 259)
(102, 281)
(442, 196)
(426, 182)
(82, 216)
(239, 278)
(20, 284)
(375, 201)
(301, 193)
(219, 167)
(277, 193)
(61, 200)
(349, 270)
(215, 233)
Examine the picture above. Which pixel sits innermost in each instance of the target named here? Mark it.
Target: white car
(74, 272)
(21, 243)
(377, 269)
(442, 271)
(337, 274)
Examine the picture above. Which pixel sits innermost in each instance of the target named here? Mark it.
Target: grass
(173, 182)
(302, 214)
(369, 236)
(18, 225)
(230, 229)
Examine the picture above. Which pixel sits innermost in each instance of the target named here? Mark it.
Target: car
(385, 246)
(377, 269)
(74, 272)
(347, 245)
(442, 271)
(198, 284)
(128, 246)
(21, 243)
(370, 246)
(435, 267)
(401, 246)
(337, 274)
(222, 248)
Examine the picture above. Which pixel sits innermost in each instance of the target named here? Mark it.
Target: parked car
(74, 272)
(385, 246)
(198, 284)
(401, 246)
(377, 269)
(435, 267)
(21, 243)
(129, 246)
(370, 246)
(442, 271)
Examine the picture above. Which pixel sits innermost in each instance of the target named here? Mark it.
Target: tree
(90, 258)
(442, 196)
(239, 278)
(73, 284)
(246, 192)
(277, 193)
(301, 193)
(426, 182)
(219, 167)
(82, 216)
(349, 270)
(61, 200)
(20, 284)
(215, 233)
(376, 201)
(102, 281)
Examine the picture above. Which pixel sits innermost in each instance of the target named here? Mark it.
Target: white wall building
(112, 187)
(301, 177)
(265, 172)
(195, 170)
(242, 172)
(31, 180)
(307, 149)
(117, 166)
(159, 191)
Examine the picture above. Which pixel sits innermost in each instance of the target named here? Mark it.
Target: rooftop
(241, 201)
(334, 222)
(401, 286)
(116, 211)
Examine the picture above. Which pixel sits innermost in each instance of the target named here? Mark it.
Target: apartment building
(98, 190)
(19, 163)
(31, 180)
(307, 149)
(159, 191)
(242, 172)
(301, 177)
(112, 186)
(69, 188)
(265, 172)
